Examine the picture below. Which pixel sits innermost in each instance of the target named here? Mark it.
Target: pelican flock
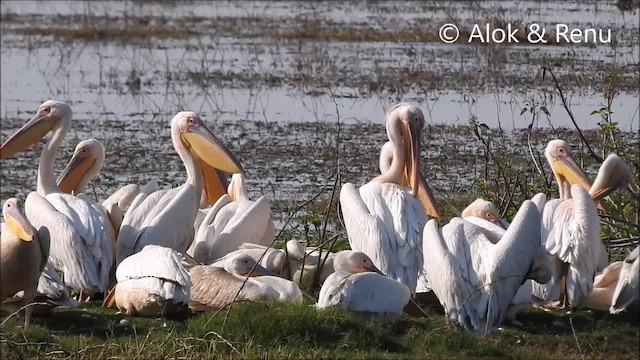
(204, 245)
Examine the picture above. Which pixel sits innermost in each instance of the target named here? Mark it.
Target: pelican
(481, 211)
(476, 280)
(166, 217)
(85, 164)
(303, 263)
(81, 238)
(232, 220)
(384, 219)
(357, 285)
(215, 287)
(23, 255)
(153, 282)
(571, 226)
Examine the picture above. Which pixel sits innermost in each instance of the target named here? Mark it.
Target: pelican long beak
(19, 225)
(425, 194)
(215, 182)
(371, 268)
(414, 178)
(258, 270)
(29, 134)
(212, 156)
(411, 139)
(74, 171)
(210, 150)
(567, 170)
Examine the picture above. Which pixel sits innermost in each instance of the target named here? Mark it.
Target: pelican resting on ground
(23, 256)
(617, 288)
(357, 285)
(384, 219)
(153, 282)
(297, 263)
(476, 280)
(232, 220)
(571, 227)
(215, 287)
(166, 217)
(85, 164)
(51, 293)
(81, 237)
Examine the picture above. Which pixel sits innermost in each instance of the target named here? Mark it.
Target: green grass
(299, 331)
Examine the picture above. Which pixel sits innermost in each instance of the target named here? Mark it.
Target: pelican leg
(447, 322)
(130, 311)
(564, 299)
(28, 301)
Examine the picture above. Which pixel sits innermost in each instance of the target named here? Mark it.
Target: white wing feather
(627, 293)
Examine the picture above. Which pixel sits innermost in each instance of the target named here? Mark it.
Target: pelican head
(404, 123)
(189, 131)
(564, 167)
(354, 262)
(16, 221)
(87, 160)
(51, 115)
(245, 265)
(296, 249)
(614, 174)
(485, 210)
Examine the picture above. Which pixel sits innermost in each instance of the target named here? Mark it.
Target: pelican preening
(81, 239)
(232, 220)
(23, 255)
(357, 285)
(384, 219)
(617, 288)
(475, 279)
(153, 282)
(571, 226)
(166, 218)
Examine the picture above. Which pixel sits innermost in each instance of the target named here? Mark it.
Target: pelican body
(166, 217)
(476, 280)
(357, 285)
(384, 219)
(215, 287)
(81, 237)
(153, 282)
(571, 226)
(23, 256)
(232, 220)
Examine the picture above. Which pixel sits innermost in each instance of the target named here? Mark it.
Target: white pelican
(384, 219)
(476, 280)
(485, 211)
(81, 239)
(215, 287)
(152, 282)
(357, 285)
(232, 220)
(166, 217)
(302, 264)
(85, 164)
(23, 256)
(571, 226)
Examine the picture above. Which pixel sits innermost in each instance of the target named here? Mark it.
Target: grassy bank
(299, 331)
